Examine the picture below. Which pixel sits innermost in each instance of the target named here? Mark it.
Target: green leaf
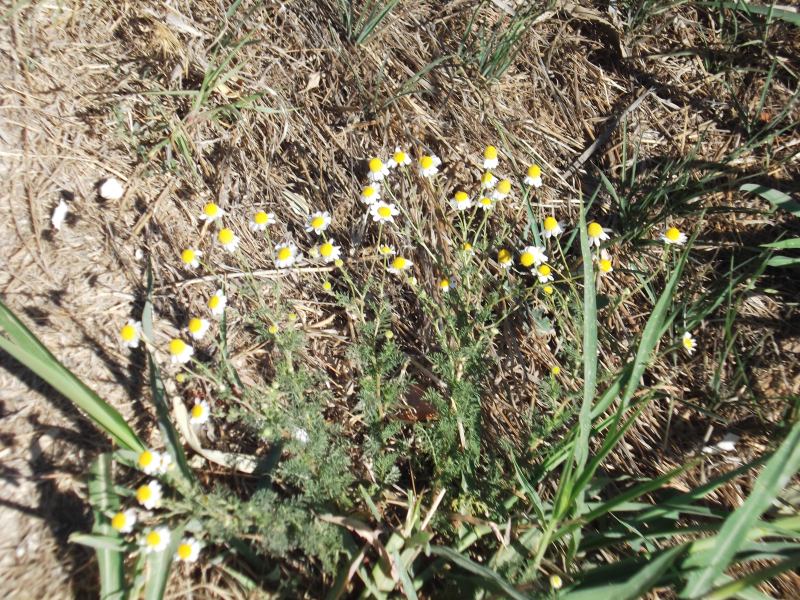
(739, 586)
(783, 464)
(774, 197)
(634, 587)
(782, 261)
(101, 542)
(26, 348)
(793, 244)
(405, 580)
(168, 432)
(491, 579)
(109, 544)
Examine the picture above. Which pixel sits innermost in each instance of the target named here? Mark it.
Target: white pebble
(111, 189)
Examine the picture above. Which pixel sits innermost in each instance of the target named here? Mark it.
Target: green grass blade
(739, 586)
(39, 360)
(634, 587)
(788, 15)
(792, 244)
(168, 431)
(103, 501)
(491, 579)
(375, 19)
(405, 580)
(783, 464)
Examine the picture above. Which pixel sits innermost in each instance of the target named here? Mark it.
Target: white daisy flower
(300, 434)
(604, 264)
(597, 235)
(285, 255)
(429, 165)
(488, 181)
(544, 273)
(460, 201)
(166, 463)
(180, 351)
(490, 160)
(149, 461)
(673, 235)
(329, 251)
(485, 203)
(227, 239)
(200, 413)
(689, 343)
(318, 222)
(551, 227)
(156, 540)
(532, 256)
(131, 333)
(149, 494)
(188, 550)
(400, 158)
(371, 193)
(217, 303)
(261, 220)
(211, 213)
(382, 211)
(386, 250)
(377, 170)
(534, 176)
(399, 264)
(124, 521)
(503, 189)
(444, 284)
(111, 189)
(504, 258)
(191, 258)
(197, 328)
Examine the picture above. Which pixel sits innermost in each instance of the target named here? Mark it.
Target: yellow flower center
(490, 152)
(213, 302)
(550, 223)
(177, 347)
(487, 178)
(548, 289)
(338, 262)
(327, 286)
(555, 370)
(504, 187)
(526, 259)
(184, 551)
(261, 218)
(544, 270)
(605, 265)
(375, 165)
(368, 192)
(153, 539)
(466, 246)
(198, 410)
(225, 236)
(461, 197)
(594, 230)
(673, 234)
(188, 256)
(326, 249)
(317, 222)
(399, 263)
(399, 157)
(284, 254)
(534, 171)
(195, 325)
(128, 333)
(486, 201)
(385, 250)
(144, 493)
(688, 343)
(444, 283)
(384, 211)
(426, 162)
(211, 210)
(146, 459)
(118, 521)
(504, 256)
(273, 329)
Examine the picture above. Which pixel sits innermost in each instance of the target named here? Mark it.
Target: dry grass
(75, 108)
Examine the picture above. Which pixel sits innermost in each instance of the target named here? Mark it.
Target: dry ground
(73, 111)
